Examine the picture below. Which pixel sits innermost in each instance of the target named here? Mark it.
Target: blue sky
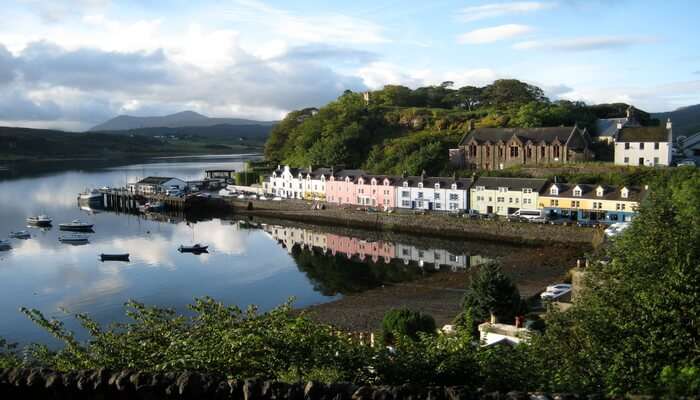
(73, 63)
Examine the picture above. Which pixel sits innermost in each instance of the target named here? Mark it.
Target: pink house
(359, 188)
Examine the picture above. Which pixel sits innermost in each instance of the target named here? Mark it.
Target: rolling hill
(177, 120)
(686, 120)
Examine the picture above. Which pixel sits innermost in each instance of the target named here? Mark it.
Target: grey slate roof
(566, 190)
(607, 127)
(493, 182)
(535, 135)
(429, 182)
(643, 134)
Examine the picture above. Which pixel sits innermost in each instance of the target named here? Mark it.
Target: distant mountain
(178, 120)
(220, 131)
(686, 120)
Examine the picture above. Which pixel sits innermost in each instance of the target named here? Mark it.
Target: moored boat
(73, 239)
(196, 248)
(39, 220)
(20, 235)
(76, 225)
(5, 245)
(91, 195)
(114, 257)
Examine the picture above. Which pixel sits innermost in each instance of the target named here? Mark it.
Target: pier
(126, 201)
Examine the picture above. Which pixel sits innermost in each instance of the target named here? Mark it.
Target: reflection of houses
(504, 196)
(498, 148)
(438, 194)
(289, 237)
(363, 249)
(644, 145)
(156, 185)
(436, 257)
(607, 204)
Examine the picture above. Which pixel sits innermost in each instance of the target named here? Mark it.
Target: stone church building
(498, 148)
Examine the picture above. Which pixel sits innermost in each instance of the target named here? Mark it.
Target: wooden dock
(126, 201)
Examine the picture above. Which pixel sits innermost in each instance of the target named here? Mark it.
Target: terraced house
(286, 183)
(433, 193)
(499, 148)
(504, 196)
(314, 183)
(595, 203)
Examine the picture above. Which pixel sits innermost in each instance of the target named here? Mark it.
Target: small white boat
(39, 220)
(20, 235)
(225, 193)
(76, 225)
(5, 245)
(73, 239)
(91, 195)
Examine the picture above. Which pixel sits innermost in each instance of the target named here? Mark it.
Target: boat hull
(81, 228)
(114, 257)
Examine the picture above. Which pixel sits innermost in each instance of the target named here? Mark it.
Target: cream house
(504, 196)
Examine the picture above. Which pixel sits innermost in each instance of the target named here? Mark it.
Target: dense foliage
(407, 323)
(403, 130)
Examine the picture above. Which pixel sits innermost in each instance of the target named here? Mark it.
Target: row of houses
(485, 195)
(376, 251)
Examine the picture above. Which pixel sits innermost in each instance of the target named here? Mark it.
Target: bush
(405, 322)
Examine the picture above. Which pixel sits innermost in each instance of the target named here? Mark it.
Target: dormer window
(577, 191)
(502, 189)
(624, 193)
(599, 191)
(420, 185)
(554, 190)
(454, 186)
(527, 190)
(405, 184)
(437, 186)
(386, 182)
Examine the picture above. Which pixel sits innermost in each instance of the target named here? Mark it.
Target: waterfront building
(286, 183)
(433, 193)
(504, 196)
(594, 203)
(499, 148)
(156, 185)
(341, 187)
(644, 145)
(314, 183)
(376, 191)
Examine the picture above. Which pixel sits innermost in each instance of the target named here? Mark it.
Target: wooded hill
(404, 130)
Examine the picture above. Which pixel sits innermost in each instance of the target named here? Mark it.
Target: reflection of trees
(337, 274)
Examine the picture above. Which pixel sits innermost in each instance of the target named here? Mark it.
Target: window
(405, 203)
(472, 150)
(542, 150)
(500, 152)
(554, 203)
(488, 151)
(454, 196)
(502, 189)
(500, 199)
(453, 206)
(627, 160)
(599, 192)
(554, 191)
(575, 204)
(577, 192)
(437, 206)
(513, 151)
(527, 201)
(420, 195)
(436, 196)
(437, 186)
(527, 190)
(641, 146)
(627, 146)
(556, 151)
(597, 205)
(656, 145)
(656, 160)
(510, 200)
(405, 194)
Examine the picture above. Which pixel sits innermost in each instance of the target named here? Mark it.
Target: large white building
(504, 196)
(156, 185)
(644, 145)
(434, 194)
(286, 182)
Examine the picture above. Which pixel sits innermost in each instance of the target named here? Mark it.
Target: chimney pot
(493, 318)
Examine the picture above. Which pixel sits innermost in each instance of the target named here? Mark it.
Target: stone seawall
(438, 225)
(121, 385)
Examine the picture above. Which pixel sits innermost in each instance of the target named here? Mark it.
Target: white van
(529, 216)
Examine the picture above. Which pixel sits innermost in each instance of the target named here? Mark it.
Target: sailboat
(196, 248)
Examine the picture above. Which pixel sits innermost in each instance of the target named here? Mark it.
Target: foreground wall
(132, 385)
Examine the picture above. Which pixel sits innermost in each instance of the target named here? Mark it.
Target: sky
(71, 64)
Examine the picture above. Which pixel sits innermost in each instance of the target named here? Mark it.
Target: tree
(405, 322)
(638, 314)
(503, 93)
(467, 98)
(491, 292)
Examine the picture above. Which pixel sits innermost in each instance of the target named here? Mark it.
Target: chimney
(668, 124)
(619, 124)
(422, 175)
(493, 318)
(578, 263)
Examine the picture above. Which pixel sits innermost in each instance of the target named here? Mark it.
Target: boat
(114, 257)
(5, 245)
(76, 225)
(91, 195)
(20, 235)
(73, 239)
(39, 220)
(196, 248)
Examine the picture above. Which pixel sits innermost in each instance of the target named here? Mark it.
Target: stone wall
(438, 225)
(121, 385)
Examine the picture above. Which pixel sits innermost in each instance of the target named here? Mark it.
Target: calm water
(262, 265)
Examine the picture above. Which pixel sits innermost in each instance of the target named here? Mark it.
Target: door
(489, 210)
(641, 160)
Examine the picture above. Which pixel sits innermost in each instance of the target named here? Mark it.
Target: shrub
(405, 322)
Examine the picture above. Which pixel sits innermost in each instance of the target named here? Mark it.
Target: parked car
(262, 197)
(538, 216)
(686, 163)
(471, 214)
(616, 229)
(277, 198)
(241, 196)
(253, 197)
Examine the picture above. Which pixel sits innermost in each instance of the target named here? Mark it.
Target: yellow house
(595, 203)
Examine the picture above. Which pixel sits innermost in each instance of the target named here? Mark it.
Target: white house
(644, 145)
(435, 194)
(504, 196)
(285, 182)
(156, 185)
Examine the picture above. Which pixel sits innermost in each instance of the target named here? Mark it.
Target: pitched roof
(535, 135)
(154, 180)
(566, 190)
(643, 134)
(494, 182)
(607, 127)
(429, 182)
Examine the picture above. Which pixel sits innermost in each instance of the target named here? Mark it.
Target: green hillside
(404, 130)
(686, 120)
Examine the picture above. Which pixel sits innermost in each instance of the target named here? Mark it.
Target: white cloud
(590, 43)
(494, 34)
(378, 74)
(475, 13)
(655, 98)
